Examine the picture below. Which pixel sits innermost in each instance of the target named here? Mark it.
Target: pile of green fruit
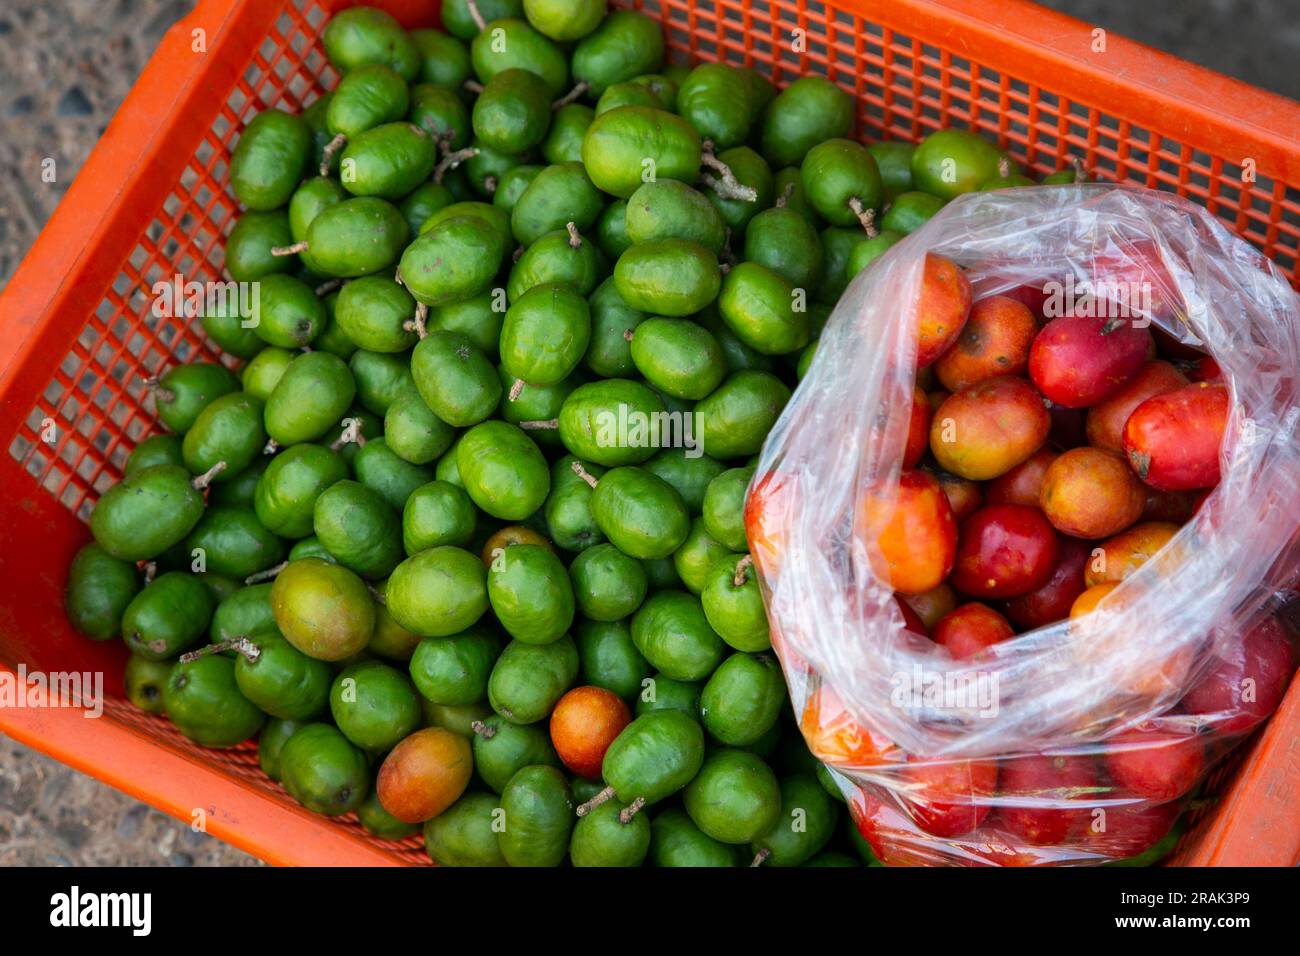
(415, 543)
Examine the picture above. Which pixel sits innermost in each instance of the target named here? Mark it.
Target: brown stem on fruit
(379, 596)
(1004, 168)
(585, 475)
(865, 216)
(160, 394)
(784, 198)
(1080, 174)
(761, 856)
(242, 645)
(292, 250)
(328, 286)
(725, 184)
(266, 575)
(516, 389)
(351, 435)
(474, 86)
(628, 335)
(451, 160)
(539, 425)
(603, 797)
(482, 729)
(150, 571)
(205, 479)
(632, 809)
(417, 324)
(575, 240)
(474, 14)
(271, 447)
(490, 184)
(571, 96)
(724, 267)
(327, 154)
(742, 567)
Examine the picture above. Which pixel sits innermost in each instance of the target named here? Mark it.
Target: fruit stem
(490, 184)
(327, 154)
(516, 389)
(351, 435)
(584, 474)
(1080, 174)
(159, 394)
(205, 479)
(728, 187)
(150, 571)
(243, 645)
(271, 447)
(473, 86)
(865, 216)
(603, 797)
(575, 240)
(540, 425)
(571, 96)
(742, 566)
(472, 7)
(416, 324)
(628, 335)
(292, 250)
(379, 596)
(453, 159)
(632, 809)
(328, 286)
(761, 856)
(482, 729)
(267, 574)
(784, 198)
(1004, 168)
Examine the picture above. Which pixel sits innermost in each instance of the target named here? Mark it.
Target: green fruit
(679, 357)
(734, 610)
(538, 810)
(535, 407)
(205, 704)
(641, 514)
(249, 245)
(514, 183)
(464, 834)
(459, 20)
(503, 748)
(531, 594)
(626, 144)
(322, 609)
(511, 44)
(602, 839)
(315, 390)
(310, 199)
(565, 20)
(764, 310)
(806, 822)
(438, 592)
(373, 310)
(672, 277)
(263, 373)
(609, 422)
(894, 160)
(688, 470)
(569, 124)
(697, 557)
(483, 171)
(528, 679)
(381, 378)
(170, 614)
(841, 181)
(950, 162)
(868, 250)
(558, 195)
(145, 681)
(455, 378)
(569, 520)
(269, 159)
(323, 771)
(749, 169)
(355, 238)
(607, 584)
(611, 229)
(676, 841)
(384, 472)
(424, 201)
(809, 111)
(660, 692)
(737, 354)
(437, 514)
(233, 543)
(628, 94)
(837, 246)
(441, 112)
(374, 705)
(286, 493)
(653, 757)
(743, 699)
(363, 35)
(270, 744)
(224, 322)
(369, 96)
(356, 525)
(609, 352)
(186, 390)
(281, 680)
(667, 209)
(672, 633)
(724, 508)
(513, 112)
(785, 242)
(100, 589)
(787, 187)
(557, 257)
(717, 99)
(390, 639)
(610, 658)
(382, 824)
(545, 334)
(245, 613)
(625, 45)
(458, 718)
(503, 470)
(456, 259)
(455, 669)
(479, 319)
(734, 798)
(740, 413)
(909, 212)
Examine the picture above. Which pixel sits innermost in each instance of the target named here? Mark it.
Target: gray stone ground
(65, 66)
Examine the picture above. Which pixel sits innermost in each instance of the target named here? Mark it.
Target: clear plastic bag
(1067, 743)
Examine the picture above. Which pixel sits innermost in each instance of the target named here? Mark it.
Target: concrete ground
(65, 66)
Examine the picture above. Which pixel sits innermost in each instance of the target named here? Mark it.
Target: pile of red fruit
(1048, 457)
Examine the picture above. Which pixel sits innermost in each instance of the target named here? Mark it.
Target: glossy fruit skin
(144, 681)
(740, 412)
(269, 159)
(437, 513)
(1126, 552)
(1090, 493)
(323, 771)
(970, 629)
(672, 633)
(809, 111)
(503, 470)
(463, 835)
(1079, 361)
(100, 588)
(942, 308)
(1106, 420)
(734, 798)
(995, 341)
(270, 744)
(759, 306)
(987, 429)
(743, 699)
(374, 705)
(154, 450)
(1158, 767)
(640, 513)
(147, 513)
(454, 260)
(676, 841)
(736, 611)
(723, 508)
(1004, 551)
(1173, 441)
(171, 613)
(804, 825)
(1265, 657)
(602, 839)
(1130, 832)
(655, 756)
(972, 159)
(1023, 484)
(283, 681)
(528, 679)
(1055, 782)
(205, 704)
(583, 725)
(358, 527)
(947, 798)
(1052, 602)
(454, 670)
(230, 430)
(837, 172)
(450, 573)
(914, 535)
(424, 774)
(362, 35)
(322, 609)
(286, 493)
(670, 277)
(455, 378)
(625, 45)
(531, 594)
(233, 542)
(619, 140)
(608, 585)
(539, 817)
(502, 748)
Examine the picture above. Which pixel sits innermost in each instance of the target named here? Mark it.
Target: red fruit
(911, 536)
(931, 605)
(769, 511)
(1156, 766)
(1105, 423)
(583, 725)
(949, 797)
(970, 629)
(941, 309)
(893, 837)
(1031, 296)
(1052, 602)
(1023, 483)
(1205, 369)
(1068, 426)
(1130, 829)
(1132, 273)
(918, 429)
(1077, 361)
(1053, 797)
(424, 774)
(1246, 684)
(987, 429)
(994, 342)
(911, 620)
(1090, 493)
(1173, 440)
(964, 495)
(1004, 551)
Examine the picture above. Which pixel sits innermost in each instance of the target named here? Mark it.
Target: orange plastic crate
(77, 337)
